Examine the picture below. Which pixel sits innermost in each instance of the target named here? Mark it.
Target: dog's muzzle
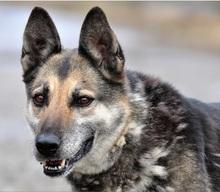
(48, 146)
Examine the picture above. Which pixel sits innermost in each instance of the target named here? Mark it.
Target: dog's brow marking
(83, 92)
(38, 86)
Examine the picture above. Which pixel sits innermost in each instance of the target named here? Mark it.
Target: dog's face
(76, 99)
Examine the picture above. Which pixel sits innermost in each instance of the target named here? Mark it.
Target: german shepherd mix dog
(108, 129)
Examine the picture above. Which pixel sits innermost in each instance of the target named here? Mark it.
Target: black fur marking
(30, 75)
(64, 69)
(171, 142)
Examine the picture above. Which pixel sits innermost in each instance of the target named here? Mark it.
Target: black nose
(47, 144)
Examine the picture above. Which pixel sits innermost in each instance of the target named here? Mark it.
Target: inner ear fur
(40, 40)
(99, 44)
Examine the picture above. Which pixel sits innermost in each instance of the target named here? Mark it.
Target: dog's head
(76, 99)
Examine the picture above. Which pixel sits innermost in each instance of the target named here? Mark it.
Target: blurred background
(176, 41)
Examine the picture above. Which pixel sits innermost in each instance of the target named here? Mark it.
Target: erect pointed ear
(40, 40)
(99, 44)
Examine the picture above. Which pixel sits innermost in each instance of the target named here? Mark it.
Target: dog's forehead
(63, 64)
(68, 67)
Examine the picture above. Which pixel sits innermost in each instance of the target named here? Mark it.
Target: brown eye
(39, 99)
(84, 101)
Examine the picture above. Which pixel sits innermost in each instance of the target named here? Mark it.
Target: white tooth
(62, 163)
(59, 167)
(43, 162)
(46, 167)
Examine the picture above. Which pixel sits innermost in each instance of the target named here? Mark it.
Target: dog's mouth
(59, 167)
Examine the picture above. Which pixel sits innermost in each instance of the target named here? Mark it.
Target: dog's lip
(58, 167)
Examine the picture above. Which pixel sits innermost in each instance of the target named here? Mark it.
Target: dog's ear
(40, 39)
(99, 44)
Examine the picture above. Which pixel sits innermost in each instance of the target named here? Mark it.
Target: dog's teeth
(54, 167)
(62, 164)
(43, 162)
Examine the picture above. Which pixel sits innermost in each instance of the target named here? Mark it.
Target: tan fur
(134, 133)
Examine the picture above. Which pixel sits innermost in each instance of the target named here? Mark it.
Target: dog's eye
(39, 99)
(83, 101)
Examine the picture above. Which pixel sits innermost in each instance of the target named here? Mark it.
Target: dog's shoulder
(159, 97)
(185, 126)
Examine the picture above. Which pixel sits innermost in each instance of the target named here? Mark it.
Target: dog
(109, 129)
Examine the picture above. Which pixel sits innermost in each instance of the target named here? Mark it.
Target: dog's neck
(123, 167)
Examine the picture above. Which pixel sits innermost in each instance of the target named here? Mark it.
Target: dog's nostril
(47, 144)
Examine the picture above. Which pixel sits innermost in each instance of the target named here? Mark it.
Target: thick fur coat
(109, 129)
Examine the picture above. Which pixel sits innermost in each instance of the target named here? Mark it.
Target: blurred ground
(177, 41)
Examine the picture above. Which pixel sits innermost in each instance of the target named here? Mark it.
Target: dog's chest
(127, 175)
(115, 179)
(104, 183)
(134, 183)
